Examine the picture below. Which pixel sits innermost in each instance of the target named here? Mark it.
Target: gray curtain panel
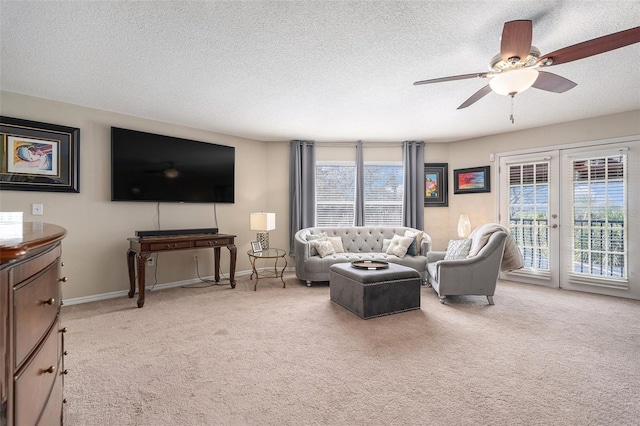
(413, 160)
(359, 204)
(302, 188)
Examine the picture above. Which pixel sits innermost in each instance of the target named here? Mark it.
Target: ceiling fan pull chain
(511, 116)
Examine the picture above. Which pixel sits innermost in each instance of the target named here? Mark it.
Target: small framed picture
(435, 184)
(471, 180)
(256, 246)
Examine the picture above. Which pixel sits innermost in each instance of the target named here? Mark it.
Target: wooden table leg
(131, 264)
(216, 263)
(232, 264)
(142, 262)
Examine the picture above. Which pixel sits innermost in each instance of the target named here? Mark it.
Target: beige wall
(94, 250)
(95, 247)
(481, 208)
(437, 219)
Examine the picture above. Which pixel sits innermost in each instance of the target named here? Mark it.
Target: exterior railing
(598, 245)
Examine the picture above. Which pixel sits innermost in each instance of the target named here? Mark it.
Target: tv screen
(149, 167)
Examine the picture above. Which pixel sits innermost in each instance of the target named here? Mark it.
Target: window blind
(599, 202)
(383, 190)
(529, 212)
(335, 193)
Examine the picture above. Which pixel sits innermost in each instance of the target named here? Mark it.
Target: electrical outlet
(195, 258)
(151, 261)
(37, 209)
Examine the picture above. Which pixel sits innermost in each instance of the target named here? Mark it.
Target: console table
(140, 248)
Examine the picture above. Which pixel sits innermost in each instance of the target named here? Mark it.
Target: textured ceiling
(327, 71)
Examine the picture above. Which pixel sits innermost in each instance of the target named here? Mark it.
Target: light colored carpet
(214, 356)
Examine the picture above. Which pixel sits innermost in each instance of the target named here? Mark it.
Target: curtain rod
(353, 144)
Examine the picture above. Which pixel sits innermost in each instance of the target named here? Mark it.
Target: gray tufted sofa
(360, 243)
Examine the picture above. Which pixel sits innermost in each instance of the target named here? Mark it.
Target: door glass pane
(528, 212)
(599, 217)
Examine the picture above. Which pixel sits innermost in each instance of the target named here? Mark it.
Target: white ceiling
(326, 71)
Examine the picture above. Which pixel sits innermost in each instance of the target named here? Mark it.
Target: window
(336, 189)
(599, 217)
(383, 190)
(528, 212)
(335, 194)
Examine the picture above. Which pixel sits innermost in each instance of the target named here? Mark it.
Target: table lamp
(464, 226)
(263, 222)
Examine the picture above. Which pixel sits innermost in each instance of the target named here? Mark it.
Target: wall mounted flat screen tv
(149, 167)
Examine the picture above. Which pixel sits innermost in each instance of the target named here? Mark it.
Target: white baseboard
(148, 287)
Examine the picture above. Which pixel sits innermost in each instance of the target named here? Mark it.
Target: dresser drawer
(36, 305)
(52, 413)
(34, 384)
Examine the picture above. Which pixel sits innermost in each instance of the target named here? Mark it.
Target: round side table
(270, 253)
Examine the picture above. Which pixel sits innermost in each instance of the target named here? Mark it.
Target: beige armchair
(475, 275)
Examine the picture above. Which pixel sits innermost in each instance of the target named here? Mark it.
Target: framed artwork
(256, 246)
(38, 156)
(436, 188)
(472, 180)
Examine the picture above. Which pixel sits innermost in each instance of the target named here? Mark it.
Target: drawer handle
(49, 370)
(63, 330)
(64, 401)
(65, 353)
(65, 371)
(63, 279)
(49, 301)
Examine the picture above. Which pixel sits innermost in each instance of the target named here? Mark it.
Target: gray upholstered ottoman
(373, 293)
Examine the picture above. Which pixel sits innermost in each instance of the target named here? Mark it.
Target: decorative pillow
(399, 245)
(385, 244)
(324, 247)
(312, 237)
(414, 248)
(337, 244)
(315, 237)
(458, 249)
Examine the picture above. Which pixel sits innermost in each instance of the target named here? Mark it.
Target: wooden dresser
(32, 338)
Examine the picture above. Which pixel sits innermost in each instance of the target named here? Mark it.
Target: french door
(575, 215)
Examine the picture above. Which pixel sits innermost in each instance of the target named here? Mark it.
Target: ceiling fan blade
(452, 78)
(592, 47)
(516, 40)
(476, 97)
(553, 82)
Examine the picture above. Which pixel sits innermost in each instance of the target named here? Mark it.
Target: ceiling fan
(517, 67)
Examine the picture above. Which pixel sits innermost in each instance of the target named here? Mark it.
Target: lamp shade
(513, 82)
(263, 221)
(464, 226)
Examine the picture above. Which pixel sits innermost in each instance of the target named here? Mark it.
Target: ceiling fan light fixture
(514, 81)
